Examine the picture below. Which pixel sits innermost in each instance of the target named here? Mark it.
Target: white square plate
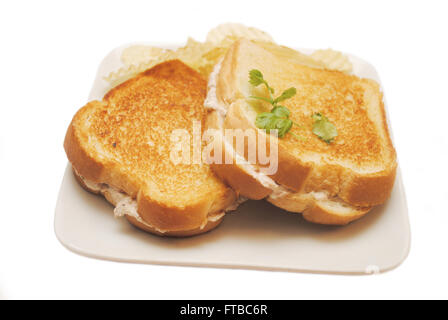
(256, 236)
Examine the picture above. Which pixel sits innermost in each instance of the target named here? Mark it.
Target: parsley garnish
(323, 128)
(278, 117)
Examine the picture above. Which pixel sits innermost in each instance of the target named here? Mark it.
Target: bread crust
(177, 234)
(211, 224)
(181, 219)
(319, 211)
(321, 215)
(234, 174)
(173, 221)
(85, 164)
(369, 190)
(240, 181)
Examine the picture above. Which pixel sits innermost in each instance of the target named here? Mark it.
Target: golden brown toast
(355, 171)
(120, 147)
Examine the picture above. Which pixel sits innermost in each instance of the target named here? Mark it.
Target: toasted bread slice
(247, 180)
(120, 147)
(356, 170)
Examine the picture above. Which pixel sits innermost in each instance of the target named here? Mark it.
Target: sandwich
(120, 148)
(336, 164)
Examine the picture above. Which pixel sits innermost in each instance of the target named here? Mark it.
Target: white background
(48, 59)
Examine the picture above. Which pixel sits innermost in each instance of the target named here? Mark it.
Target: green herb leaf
(278, 117)
(288, 93)
(283, 126)
(281, 111)
(255, 77)
(269, 121)
(323, 128)
(262, 98)
(266, 120)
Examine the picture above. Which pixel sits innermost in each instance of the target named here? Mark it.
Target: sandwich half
(328, 182)
(120, 147)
